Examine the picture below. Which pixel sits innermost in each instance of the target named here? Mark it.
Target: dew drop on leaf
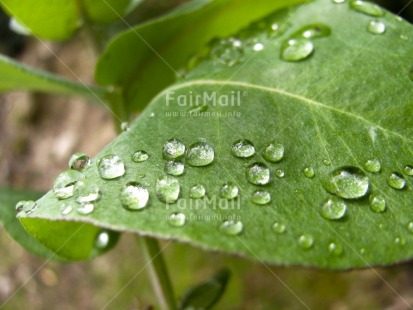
(280, 173)
(231, 227)
(373, 165)
(258, 47)
(102, 239)
(312, 31)
(66, 209)
(296, 50)
(63, 186)
(85, 209)
(347, 182)
(410, 227)
(243, 148)
(258, 174)
(167, 189)
(366, 7)
(200, 154)
(306, 241)
(408, 170)
(79, 161)
(377, 203)
(174, 167)
(396, 181)
(338, 1)
(333, 209)
(26, 207)
(229, 191)
(335, 249)
(400, 241)
(197, 191)
(228, 52)
(261, 197)
(134, 196)
(326, 162)
(111, 167)
(376, 27)
(309, 172)
(124, 126)
(173, 148)
(177, 219)
(86, 191)
(278, 228)
(273, 152)
(140, 156)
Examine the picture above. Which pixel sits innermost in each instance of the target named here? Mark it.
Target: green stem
(158, 273)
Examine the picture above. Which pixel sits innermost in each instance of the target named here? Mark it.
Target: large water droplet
(200, 154)
(229, 191)
(306, 241)
(197, 191)
(228, 52)
(261, 197)
(140, 156)
(177, 219)
(377, 203)
(278, 228)
(333, 209)
(26, 207)
(79, 161)
(373, 165)
(376, 27)
(408, 170)
(312, 31)
(102, 239)
(258, 174)
(231, 227)
(243, 148)
(335, 249)
(273, 152)
(309, 172)
(167, 189)
(86, 209)
(174, 167)
(297, 50)
(347, 182)
(366, 8)
(173, 148)
(86, 191)
(64, 184)
(134, 196)
(111, 167)
(396, 181)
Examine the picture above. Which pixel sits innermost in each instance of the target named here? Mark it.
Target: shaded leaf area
(342, 109)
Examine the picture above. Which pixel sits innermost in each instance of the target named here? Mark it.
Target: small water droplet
(229, 191)
(197, 191)
(280, 173)
(396, 181)
(296, 50)
(140, 156)
(326, 162)
(173, 148)
(309, 172)
(200, 154)
(367, 8)
(362, 251)
(376, 27)
(377, 203)
(66, 209)
(347, 182)
(198, 109)
(243, 148)
(228, 52)
(86, 191)
(258, 174)
(335, 249)
(102, 239)
(410, 227)
(174, 167)
(177, 219)
(408, 170)
(338, 1)
(333, 209)
(152, 114)
(64, 184)
(124, 126)
(26, 207)
(258, 47)
(306, 241)
(400, 241)
(231, 227)
(273, 152)
(312, 31)
(79, 161)
(134, 196)
(85, 209)
(111, 167)
(403, 37)
(167, 189)
(373, 165)
(278, 228)
(261, 197)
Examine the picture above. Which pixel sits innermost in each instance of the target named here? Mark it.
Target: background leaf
(347, 102)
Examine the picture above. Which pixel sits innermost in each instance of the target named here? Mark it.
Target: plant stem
(158, 273)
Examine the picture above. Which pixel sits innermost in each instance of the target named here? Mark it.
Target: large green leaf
(348, 102)
(144, 60)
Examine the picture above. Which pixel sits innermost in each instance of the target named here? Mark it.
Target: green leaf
(207, 294)
(108, 11)
(144, 60)
(17, 76)
(348, 102)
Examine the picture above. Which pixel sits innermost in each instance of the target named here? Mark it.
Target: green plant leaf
(348, 105)
(207, 294)
(17, 76)
(144, 60)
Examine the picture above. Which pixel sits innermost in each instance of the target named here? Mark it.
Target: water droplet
(64, 184)
(152, 114)
(167, 189)
(124, 126)
(177, 219)
(333, 209)
(258, 47)
(86, 191)
(174, 167)
(140, 156)
(200, 154)
(278, 228)
(396, 181)
(376, 27)
(367, 8)
(258, 174)
(243, 148)
(261, 197)
(306, 241)
(410, 227)
(338, 1)
(373, 165)
(102, 239)
(280, 173)
(377, 203)
(403, 37)
(134, 196)
(228, 52)
(347, 182)
(229, 191)
(111, 167)
(231, 227)
(79, 161)
(198, 109)
(297, 50)
(335, 249)
(273, 152)
(312, 31)
(326, 162)
(173, 148)
(26, 207)
(85, 209)
(197, 191)
(309, 172)
(408, 170)
(66, 209)
(400, 241)
(362, 251)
